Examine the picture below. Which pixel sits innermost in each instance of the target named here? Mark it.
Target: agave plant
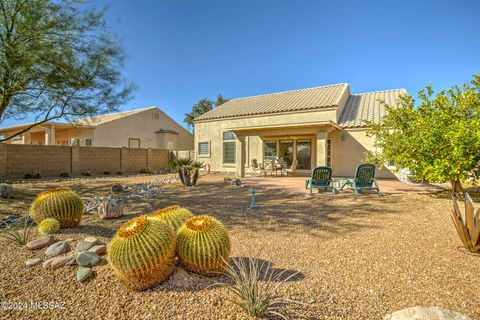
(188, 171)
(255, 285)
(467, 224)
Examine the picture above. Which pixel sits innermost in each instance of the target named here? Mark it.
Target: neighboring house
(140, 128)
(315, 126)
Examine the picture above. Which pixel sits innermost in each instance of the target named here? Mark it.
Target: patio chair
(292, 169)
(364, 179)
(321, 179)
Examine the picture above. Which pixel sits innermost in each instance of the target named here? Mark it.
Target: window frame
(135, 139)
(73, 144)
(91, 142)
(203, 155)
(229, 140)
(328, 153)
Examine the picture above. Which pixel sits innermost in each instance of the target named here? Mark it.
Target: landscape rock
(47, 263)
(99, 249)
(83, 273)
(83, 246)
(40, 243)
(33, 262)
(237, 182)
(72, 261)
(88, 259)
(181, 279)
(57, 248)
(425, 313)
(117, 188)
(110, 208)
(59, 262)
(92, 240)
(6, 190)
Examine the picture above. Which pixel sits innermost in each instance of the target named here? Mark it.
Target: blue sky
(181, 51)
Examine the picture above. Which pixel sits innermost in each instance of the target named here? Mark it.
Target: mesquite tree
(438, 138)
(57, 61)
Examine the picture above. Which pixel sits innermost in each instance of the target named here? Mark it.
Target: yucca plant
(259, 298)
(467, 224)
(16, 234)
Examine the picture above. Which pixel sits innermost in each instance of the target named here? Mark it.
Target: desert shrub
(145, 171)
(203, 245)
(18, 234)
(107, 173)
(62, 204)
(64, 174)
(142, 253)
(254, 287)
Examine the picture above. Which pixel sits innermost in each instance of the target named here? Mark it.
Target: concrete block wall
(16, 160)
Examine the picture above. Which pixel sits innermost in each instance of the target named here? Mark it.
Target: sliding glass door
(286, 151)
(304, 154)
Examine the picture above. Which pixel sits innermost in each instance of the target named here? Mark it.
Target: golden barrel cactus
(48, 226)
(175, 216)
(62, 204)
(142, 253)
(203, 245)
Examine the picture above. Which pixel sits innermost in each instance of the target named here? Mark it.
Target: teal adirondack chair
(321, 179)
(364, 179)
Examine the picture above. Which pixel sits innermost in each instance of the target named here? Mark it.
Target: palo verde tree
(438, 138)
(201, 107)
(57, 61)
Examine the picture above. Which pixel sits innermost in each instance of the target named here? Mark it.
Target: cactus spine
(62, 204)
(48, 226)
(175, 216)
(203, 245)
(142, 253)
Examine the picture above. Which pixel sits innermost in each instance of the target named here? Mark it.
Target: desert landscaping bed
(357, 259)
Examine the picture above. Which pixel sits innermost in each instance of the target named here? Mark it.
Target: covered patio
(306, 143)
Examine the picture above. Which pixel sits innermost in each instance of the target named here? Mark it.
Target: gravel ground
(357, 259)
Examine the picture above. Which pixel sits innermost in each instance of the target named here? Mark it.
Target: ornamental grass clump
(259, 298)
(142, 253)
(62, 204)
(467, 224)
(203, 245)
(48, 226)
(175, 216)
(17, 234)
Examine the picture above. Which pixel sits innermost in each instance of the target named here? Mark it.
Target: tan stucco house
(315, 126)
(140, 128)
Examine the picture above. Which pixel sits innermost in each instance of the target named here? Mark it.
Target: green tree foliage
(438, 138)
(201, 107)
(57, 60)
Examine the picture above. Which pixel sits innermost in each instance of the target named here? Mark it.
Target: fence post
(75, 160)
(150, 160)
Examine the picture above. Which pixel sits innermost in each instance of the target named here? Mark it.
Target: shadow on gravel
(265, 269)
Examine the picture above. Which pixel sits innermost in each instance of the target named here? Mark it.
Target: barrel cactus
(203, 245)
(175, 216)
(142, 253)
(48, 226)
(62, 204)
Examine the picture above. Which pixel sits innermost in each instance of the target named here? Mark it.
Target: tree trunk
(181, 176)
(457, 187)
(195, 177)
(186, 173)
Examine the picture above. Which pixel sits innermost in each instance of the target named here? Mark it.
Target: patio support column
(321, 148)
(240, 156)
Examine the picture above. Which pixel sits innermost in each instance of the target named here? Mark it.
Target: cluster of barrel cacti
(64, 205)
(144, 250)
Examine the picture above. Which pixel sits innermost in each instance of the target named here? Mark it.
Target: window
(304, 154)
(88, 142)
(203, 149)
(270, 150)
(229, 148)
(133, 143)
(329, 152)
(156, 116)
(391, 163)
(75, 141)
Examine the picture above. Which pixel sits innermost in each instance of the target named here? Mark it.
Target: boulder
(425, 313)
(117, 188)
(40, 243)
(110, 208)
